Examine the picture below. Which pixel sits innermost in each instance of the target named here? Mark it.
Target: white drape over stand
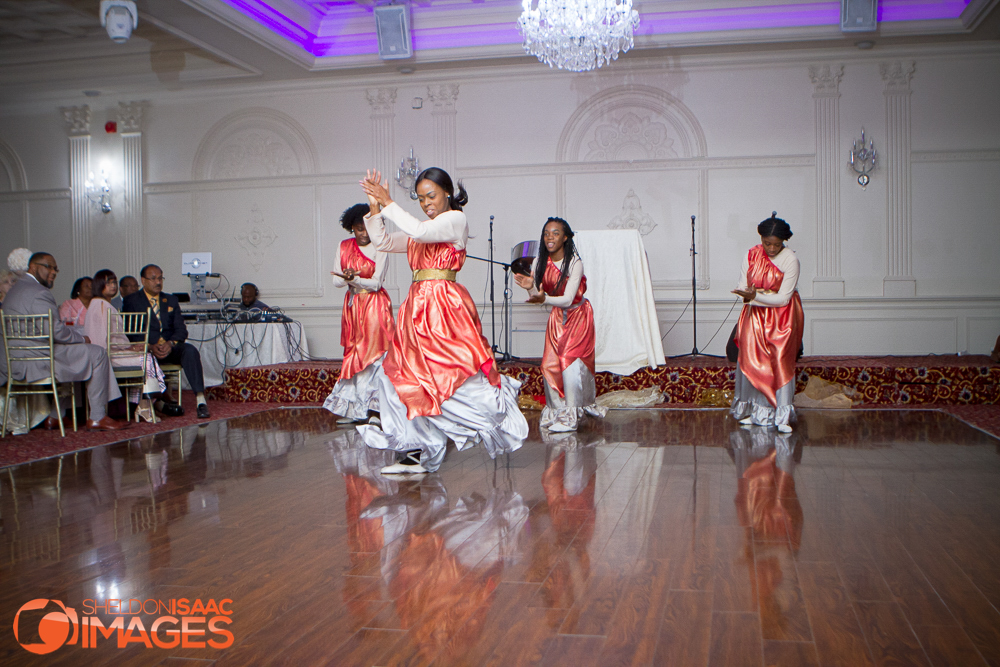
(621, 293)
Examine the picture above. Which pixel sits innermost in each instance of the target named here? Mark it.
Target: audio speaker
(858, 15)
(392, 22)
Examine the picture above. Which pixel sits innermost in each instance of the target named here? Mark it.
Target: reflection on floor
(652, 538)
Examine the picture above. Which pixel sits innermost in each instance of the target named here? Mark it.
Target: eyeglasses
(49, 267)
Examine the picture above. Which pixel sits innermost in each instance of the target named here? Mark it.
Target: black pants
(187, 356)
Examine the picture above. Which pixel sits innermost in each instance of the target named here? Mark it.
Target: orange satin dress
(769, 337)
(367, 326)
(569, 334)
(438, 343)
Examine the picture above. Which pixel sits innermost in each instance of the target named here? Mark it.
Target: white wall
(259, 176)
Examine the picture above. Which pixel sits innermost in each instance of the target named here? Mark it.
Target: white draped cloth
(621, 292)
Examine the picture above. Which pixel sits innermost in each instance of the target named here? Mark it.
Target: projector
(196, 263)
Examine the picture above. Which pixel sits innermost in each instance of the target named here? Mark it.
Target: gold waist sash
(767, 291)
(434, 274)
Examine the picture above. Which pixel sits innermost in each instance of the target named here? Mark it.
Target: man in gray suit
(76, 359)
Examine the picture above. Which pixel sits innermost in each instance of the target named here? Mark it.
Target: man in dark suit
(76, 359)
(168, 335)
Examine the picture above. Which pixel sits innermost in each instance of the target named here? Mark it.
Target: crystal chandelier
(577, 35)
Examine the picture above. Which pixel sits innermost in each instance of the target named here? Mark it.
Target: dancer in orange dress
(439, 379)
(568, 360)
(769, 331)
(366, 325)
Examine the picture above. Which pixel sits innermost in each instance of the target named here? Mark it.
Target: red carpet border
(934, 380)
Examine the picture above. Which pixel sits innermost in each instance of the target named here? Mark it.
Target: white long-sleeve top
(789, 265)
(572, 284)
(372, 284)
(448, 227)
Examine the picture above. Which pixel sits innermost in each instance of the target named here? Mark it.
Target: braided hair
(569, 249)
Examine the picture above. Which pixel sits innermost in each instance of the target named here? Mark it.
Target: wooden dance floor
(655, 537)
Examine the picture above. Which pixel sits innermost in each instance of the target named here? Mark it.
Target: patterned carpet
(947, 380)
(41, 444)
(966, 387)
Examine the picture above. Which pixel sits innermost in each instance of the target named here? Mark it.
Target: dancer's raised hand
(374, 188)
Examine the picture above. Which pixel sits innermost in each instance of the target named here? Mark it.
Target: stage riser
(877, 385)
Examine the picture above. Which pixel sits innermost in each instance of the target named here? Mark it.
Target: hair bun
(461, 197)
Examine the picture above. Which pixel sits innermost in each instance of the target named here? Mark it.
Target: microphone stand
(694, 303)
(507, 306)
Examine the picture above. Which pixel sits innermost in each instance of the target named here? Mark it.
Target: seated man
(76, 359)
(248, 298)
(127, 285)
(167, 336)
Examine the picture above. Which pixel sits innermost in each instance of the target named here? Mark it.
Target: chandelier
(578, 35)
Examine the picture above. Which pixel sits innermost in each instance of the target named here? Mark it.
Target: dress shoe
(203, 411)
(51, 424)
(107, 424)
(172, 410)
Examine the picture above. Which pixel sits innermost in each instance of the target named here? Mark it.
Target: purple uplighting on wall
(340, 23)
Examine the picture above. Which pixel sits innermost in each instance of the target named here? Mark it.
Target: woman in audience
(439, 379)
(7, 280)
(73, 310)
(557, 282)
(105, 287)
(769, 330)
(366, 325)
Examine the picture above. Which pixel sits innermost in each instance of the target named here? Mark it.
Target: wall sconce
(863, 160)
(406, 175)
(99, 192)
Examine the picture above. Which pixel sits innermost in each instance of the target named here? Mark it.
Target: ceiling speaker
(858, 15)
(392, 22)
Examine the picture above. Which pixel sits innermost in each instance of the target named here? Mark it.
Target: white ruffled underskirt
(477, 412)
(353, 398)
(563, 413)
(749, 402)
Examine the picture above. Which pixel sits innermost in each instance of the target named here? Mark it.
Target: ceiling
(57, 47)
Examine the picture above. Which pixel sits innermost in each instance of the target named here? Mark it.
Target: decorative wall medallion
(257, 239)
(632, 216)
(255, 143)
(631, 137)
(254, 153)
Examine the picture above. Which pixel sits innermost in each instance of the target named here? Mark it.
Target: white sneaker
(747, 421)
(403, 469)
(784, 428)
(560, 428)
(348, 420)
(375, 421)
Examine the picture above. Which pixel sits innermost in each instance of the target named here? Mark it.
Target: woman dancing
(568, 360)
(769, 330)
(366, 326)
(439, 379)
